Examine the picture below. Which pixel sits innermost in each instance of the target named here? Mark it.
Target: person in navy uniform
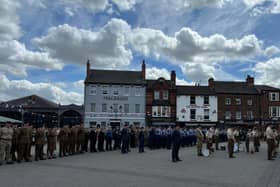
(176, 140)
(92, 139)
(117, 138)
(125, 139)
(141, 139)
(169, 137)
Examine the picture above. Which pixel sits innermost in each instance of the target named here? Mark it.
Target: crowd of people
(16, 142)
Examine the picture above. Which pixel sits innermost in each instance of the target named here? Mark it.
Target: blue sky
(45, 43)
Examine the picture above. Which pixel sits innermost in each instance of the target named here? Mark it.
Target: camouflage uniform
(39, 144)
(51, 136)
(6, 135)
(24, 139)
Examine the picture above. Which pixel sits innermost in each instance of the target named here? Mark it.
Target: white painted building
(196, 105)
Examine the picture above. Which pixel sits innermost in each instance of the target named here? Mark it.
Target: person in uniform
(81, 139)
(125, 139)
(92, 139)
(247, 140)
(32, 139)
(132, 137)
(231, 141)
(141, 139)
(6, 135)
(15, 143)
(63, 138)
(209, 140)
(256, 139)
(217, 138)
(72, 141)
(176, 140)
(51, 138)
(101, 139)
(85, 146)
(39, 143)
(236, 134)
(169, 137)
(24, 139)
(117, 138)
(200, 139)
(270, 142)
(109, 137)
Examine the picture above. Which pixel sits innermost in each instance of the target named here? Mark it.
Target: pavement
(153, 168)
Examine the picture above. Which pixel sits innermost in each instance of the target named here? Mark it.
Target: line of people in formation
(16, 142)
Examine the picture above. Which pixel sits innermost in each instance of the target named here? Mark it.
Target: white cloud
(196, 4)
(11, 89)
(155, 73)
(272, 50)
(9, 21)
(106, 48)
(263, 6)
(15, 59)
(268, 72)
(125, 4)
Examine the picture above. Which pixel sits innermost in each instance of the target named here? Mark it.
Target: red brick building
(161, 101)
(244, 103)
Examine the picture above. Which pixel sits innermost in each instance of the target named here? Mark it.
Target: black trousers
(125, 147)
(175, 152)
(141, 146)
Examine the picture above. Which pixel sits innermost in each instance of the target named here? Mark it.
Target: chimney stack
(143, 70)
(250, 80)
(173, 77)
(211, 83)
(88, 67)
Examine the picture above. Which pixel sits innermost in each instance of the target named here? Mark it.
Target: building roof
(152, 82)
(114, 77)
(233, 87)
(194, 90)
(266, 88)
(32, 101)
(5, 120)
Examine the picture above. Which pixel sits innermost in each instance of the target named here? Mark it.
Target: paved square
(152, 168)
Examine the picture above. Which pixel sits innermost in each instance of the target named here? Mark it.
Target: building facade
(196, 105)
(114, 97)
(161, 101)
(238, 102)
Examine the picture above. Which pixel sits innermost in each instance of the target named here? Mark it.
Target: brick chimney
(88, 67)
(250, 80)
(143, 70)
(211, 83)
(173, 77)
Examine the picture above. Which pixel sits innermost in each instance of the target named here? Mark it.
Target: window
(274, 111)
(137, 108)
(274, 96)
(238, 101)
(105, 90)
(115, 91)
(137, 91)
(126, 108)
(104, 107)
(92, 90)
(250, 115)
(206, 114)
(165, 95)
(126, 91)
(206, 100)
(103, 124)
(228, 101)
(156, 95)
(92, 107)
(193, 113)
(154, 114)
(250, 101)
(192, 100)
(238, 115)
(227, 115)
(115, 108)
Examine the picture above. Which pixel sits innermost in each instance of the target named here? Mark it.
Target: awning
(201, 124)
(5, 120)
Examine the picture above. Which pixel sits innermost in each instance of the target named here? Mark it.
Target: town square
(139, 93)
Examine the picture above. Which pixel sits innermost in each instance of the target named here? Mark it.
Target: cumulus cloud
(11, 89)
(268, 72)
(105, 48)
(9, 21)
(272, 50)
(155, 73)
(263, 6)
(15, 59)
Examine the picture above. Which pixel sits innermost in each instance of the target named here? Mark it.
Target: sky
(45, 44)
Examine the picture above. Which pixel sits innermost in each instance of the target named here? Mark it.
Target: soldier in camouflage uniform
(24, 139)
(73, 139)
(15, 143)
(63, 141)
(51, 136)
(6, 135)
(39, 143)
(81, 138)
